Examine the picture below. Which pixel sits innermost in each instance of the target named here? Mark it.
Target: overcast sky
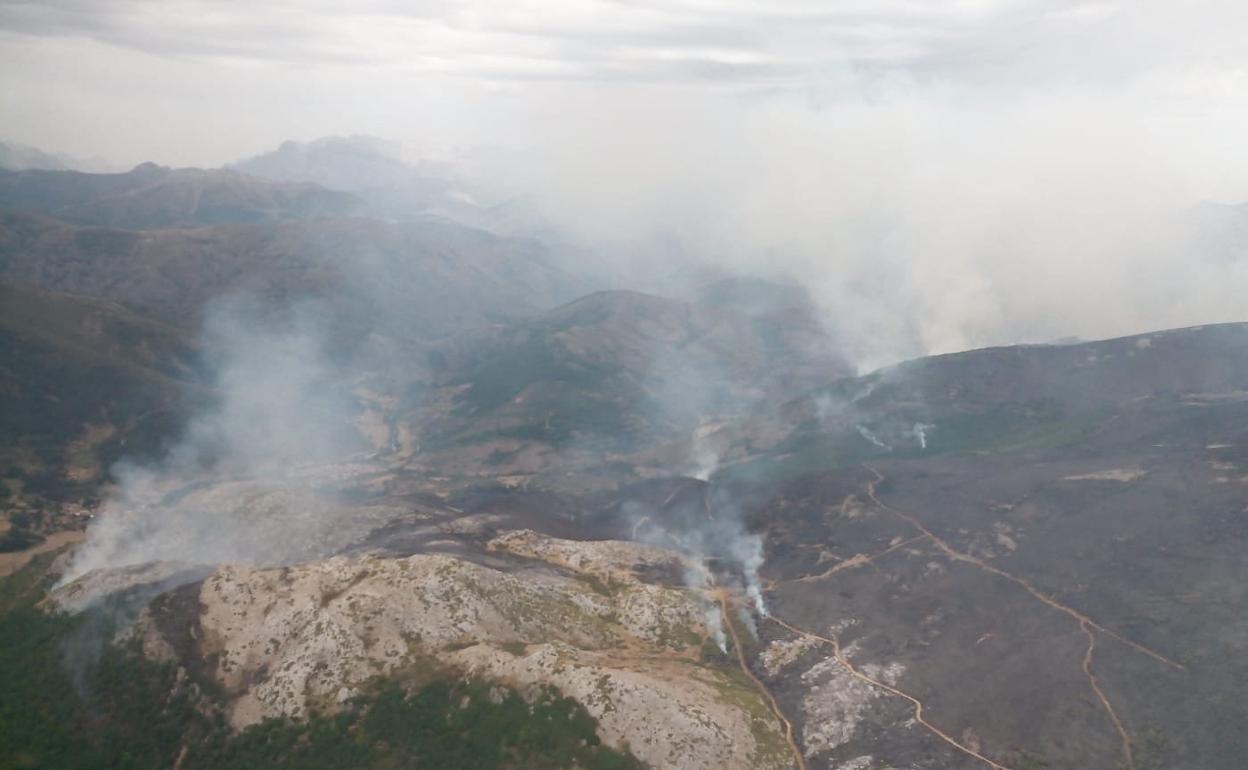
(206, 81)
(945, 173)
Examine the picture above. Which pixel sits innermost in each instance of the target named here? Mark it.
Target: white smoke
(715, 622)
(747, 620)
(705, 456)
(748, 551)
(924, 217)
(866, 433)
(698, 577)
(242, 483)
(722, 536)
(745, 548)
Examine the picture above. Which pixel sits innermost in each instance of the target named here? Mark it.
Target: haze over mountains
(151, 197)
(342, 430)
(746, 385)
(20, 157)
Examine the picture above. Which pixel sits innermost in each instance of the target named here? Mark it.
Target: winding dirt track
(957, 555)
(918, 705)
(1086, 624)
(1096, 688)
(724, 607)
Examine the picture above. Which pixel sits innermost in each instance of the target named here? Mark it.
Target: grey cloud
(642, 42)
(941, 174)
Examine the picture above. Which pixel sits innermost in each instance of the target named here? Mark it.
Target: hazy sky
(945, 174)
(207, 81)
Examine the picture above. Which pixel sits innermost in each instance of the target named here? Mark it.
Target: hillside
(613, 371)
(85, 382)
(999, 398)
(1043, 577)
(414, 281)
(373, 171)
(150, 197)
(20, 157)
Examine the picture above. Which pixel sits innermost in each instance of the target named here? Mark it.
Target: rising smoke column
(748, 550)
(698, 577)
(713, 528)
(277, 412)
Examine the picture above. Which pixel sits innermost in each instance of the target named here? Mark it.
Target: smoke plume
(244, 483)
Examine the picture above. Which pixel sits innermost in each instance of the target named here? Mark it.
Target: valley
(423, 465)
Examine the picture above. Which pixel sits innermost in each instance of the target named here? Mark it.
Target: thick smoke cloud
(245, 482)
(945, 175)
(924, 219)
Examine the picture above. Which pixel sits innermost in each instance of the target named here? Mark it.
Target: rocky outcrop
(288, 641)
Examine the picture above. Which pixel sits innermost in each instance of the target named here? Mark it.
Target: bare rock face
(292, 640)
(667, 712)
(835, 705)
(621, 559)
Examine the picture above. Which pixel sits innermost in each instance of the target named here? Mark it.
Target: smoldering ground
(708, 522)
(242, 484)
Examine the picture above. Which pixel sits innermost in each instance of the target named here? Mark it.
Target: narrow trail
(722, 597)
(918, 704)
(957, 555)
(1086, 624)
(1109, 708)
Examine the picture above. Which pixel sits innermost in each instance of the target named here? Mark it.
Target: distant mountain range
(19, 157)
(374, 171)
(416, 281)
(151, 196)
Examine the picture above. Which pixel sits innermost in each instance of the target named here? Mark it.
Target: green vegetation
(70, 700)
(444, 725)
(710, 654)
(500, 377)
(65, 703)
(739, 690)
(557, 413)
(71, 363)
(21, 533)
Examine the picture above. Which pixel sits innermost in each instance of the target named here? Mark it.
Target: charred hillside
(356, 487)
